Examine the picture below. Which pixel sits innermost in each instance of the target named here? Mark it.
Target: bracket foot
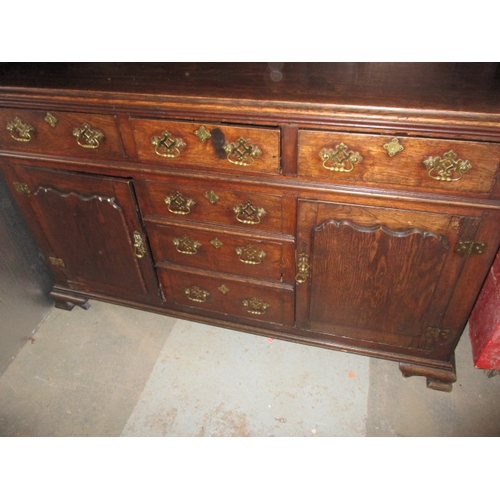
(439, 379)
(67, 301)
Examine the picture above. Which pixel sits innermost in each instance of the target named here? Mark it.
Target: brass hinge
(468, 248)
(22, 188)
(55, 261)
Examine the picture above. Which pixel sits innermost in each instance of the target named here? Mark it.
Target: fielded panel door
(89, 230)
(382, 275)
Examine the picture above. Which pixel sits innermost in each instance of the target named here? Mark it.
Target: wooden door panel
(89, 225)
(382, 275)
(382, 278)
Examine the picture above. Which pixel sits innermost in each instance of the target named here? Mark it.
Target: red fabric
(484, 323)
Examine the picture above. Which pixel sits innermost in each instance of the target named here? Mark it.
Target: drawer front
(192, 202)
(60, 134)
(217, 251)
(180, 144)
(424, 164)
(219, 295)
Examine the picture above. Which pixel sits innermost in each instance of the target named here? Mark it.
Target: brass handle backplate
(178, 204)
(20, 131)
(339, 159)
(139, 247)
(303, 269)
(248, 214)
(186, 245)
(87, 137)
(447, 168)
(167, 146)
(197, 294)
(255, 306)
(241, 152)
(250, 255)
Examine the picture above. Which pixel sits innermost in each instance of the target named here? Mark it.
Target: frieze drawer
(173, 144)
(61, 134)
(454, 167)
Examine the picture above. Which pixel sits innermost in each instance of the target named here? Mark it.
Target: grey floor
(114, 371)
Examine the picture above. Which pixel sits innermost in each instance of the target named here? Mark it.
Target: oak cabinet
(322, 208)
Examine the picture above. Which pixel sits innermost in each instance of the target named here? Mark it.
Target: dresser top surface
(442, 87)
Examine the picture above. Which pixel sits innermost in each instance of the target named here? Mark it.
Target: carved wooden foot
(440, 379)
(66, 301)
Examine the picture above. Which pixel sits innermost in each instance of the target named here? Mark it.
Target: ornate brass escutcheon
(197, 294)
(20, 131)
(255, 305)
(447, 168)
(87, 137)
(167, 146)
(212, 197)
(241, 153)
(203, 134)
(303, 269)
(339, 159)
(223, 289)
(248, 214)
(186, 245)
(216, 243)
(250, 255)
(177, 204)
(139, 247)
(50, 119)
(393, 147)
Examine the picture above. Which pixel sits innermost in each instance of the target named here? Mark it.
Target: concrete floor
(114, 371)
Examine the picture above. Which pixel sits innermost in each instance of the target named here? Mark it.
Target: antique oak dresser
(352, 206)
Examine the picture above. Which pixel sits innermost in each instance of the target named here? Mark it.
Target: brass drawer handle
(167, 146)
(255, 306)
(179, 205)
(139, 246)
(303, 269)
(447, 168)
(248, 214)
(87, 137)
(197, 294)
(241, 153)
(250, 255)
(339, 159)
(20, 131)
(186, 245)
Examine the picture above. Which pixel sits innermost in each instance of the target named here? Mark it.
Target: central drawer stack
(222, 249)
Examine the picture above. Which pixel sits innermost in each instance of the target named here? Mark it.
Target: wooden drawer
(251, 301)
(219, 251)
(455, 167)
(216, 205)
(60, 134)
(179, 144)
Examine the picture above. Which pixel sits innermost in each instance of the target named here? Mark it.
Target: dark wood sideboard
(347, 206)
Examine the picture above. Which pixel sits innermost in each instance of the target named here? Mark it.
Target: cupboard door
(384, 276)
(89, 230)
